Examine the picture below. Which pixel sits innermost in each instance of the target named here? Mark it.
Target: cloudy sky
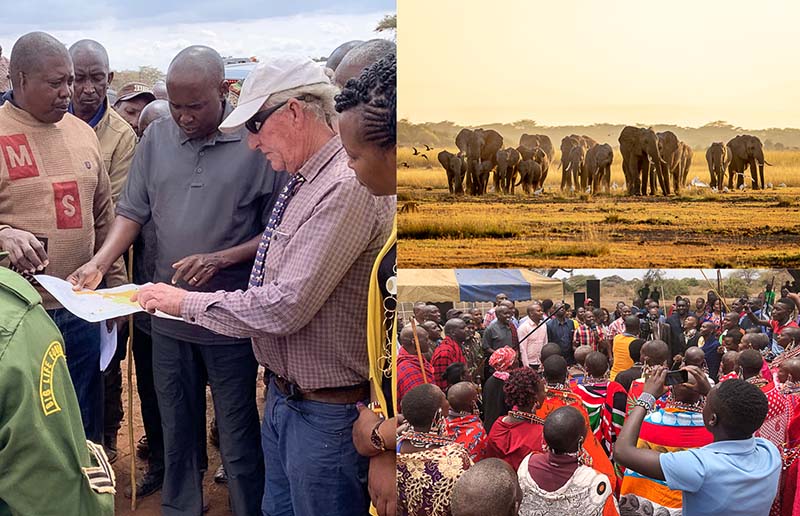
(687, 62)
(151, 32)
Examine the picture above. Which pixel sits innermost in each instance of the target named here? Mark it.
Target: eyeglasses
(256, 122)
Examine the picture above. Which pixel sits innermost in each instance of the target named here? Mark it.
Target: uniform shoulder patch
(15, 284)
(101, 477)
(47, 372)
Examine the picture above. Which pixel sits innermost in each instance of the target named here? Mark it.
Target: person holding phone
(736, 475)
(679, 421)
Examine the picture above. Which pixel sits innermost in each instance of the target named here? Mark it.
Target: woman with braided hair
(368, 125)
(368, 128)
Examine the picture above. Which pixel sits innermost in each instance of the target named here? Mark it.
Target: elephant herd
(481, 153)
(651, 162)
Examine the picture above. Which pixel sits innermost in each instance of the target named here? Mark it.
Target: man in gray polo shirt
(209, 197)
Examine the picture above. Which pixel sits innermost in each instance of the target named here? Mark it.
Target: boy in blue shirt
(736, 475)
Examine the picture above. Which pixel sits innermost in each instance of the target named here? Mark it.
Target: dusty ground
(697, 229)
(216, 494)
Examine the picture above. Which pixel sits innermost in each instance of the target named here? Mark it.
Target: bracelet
(645, 405)
(375, 437)
(648, 397)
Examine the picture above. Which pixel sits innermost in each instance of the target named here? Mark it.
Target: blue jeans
(82, 347)
(312, 466)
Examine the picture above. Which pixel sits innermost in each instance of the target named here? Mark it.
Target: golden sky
(592, 61)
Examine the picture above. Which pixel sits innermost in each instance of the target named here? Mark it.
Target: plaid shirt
(447, 352)
(308, 320)
(584, 336)
(409, 374)
(616, 328)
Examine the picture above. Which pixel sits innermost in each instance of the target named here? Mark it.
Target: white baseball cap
(268, 77)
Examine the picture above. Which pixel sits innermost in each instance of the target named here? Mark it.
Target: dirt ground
(216, 494)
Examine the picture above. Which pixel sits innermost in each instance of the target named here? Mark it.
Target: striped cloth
(605, 402)
(665, 430)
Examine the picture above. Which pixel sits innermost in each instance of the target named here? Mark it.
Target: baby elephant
(530, 175)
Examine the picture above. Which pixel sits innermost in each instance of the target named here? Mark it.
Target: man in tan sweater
(55, 198)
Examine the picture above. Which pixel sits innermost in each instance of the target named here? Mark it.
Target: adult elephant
(506, 172)
(479, 146)
(746, 150)
(456, 169)
(539, 141)
(575, 165)
(541, 157)
(639, 147)
(686, 162)
(717, 159)
(598, 166)
(570, 181)
(671, 153)
(530, 174)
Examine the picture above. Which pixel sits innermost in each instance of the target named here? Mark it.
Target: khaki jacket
(117, 144)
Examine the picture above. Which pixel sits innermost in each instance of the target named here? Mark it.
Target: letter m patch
(18, 156)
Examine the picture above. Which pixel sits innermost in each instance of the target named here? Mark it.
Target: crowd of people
(266, 227)
(647, 408)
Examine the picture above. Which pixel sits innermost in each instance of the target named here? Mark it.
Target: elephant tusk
(768, 163)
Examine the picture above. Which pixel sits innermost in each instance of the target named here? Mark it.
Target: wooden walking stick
(419, 353)
(130, 389)
(715, 291)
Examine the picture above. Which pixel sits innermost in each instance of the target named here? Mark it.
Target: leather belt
(338, 395)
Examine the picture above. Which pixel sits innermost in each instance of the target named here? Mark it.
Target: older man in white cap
(305, 307)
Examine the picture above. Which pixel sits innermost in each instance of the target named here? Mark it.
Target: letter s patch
(68, 205)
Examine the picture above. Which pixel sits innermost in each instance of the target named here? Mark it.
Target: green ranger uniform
(47, 467)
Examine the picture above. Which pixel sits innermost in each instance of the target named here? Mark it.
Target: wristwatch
(375, 437)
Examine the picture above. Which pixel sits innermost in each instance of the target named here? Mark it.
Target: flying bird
(416, 152)
(428, 148)
(405, 164)
(424, 156)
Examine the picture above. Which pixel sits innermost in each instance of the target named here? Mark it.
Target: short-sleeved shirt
(734, 478)
(496, 336)
(202, 195)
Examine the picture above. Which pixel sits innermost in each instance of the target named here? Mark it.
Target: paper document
(95, 305)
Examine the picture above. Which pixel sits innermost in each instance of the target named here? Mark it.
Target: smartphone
(676, 377)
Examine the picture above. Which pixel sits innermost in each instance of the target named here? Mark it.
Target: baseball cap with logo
(272, 76)
(132, 90)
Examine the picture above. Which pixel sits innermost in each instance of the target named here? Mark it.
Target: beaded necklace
(790, 388)
(697, 406)
(560, 391)
(592, 380)
(526, 416)
(758, 381)
(426, 440)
